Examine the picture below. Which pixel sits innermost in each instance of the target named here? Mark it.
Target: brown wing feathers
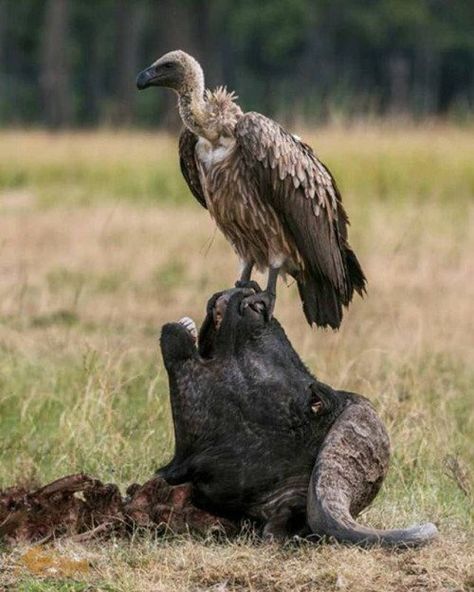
(187, 162)
(306, 198)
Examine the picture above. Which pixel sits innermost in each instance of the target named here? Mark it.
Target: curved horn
(347, 475)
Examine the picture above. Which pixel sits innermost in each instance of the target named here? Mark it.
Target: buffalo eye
(316, 404)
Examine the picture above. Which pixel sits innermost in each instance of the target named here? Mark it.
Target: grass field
(100, 244)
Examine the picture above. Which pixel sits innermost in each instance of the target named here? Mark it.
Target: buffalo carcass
(258, 437)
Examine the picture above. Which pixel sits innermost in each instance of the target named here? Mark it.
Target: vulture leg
(265, 300)
(245, 280)
(246, 272)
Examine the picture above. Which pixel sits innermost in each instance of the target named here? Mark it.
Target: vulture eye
(167, 65)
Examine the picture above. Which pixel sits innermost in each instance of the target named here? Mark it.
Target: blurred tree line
(73, 62)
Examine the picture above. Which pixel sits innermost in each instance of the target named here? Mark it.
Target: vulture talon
(249, 284)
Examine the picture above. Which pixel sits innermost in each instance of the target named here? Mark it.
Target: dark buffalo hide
(259, 437)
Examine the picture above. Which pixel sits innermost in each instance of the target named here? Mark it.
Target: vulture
(272, 198)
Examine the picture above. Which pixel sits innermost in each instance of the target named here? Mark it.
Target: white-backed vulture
(275, 202)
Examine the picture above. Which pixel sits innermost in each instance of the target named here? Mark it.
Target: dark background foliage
(70, 63)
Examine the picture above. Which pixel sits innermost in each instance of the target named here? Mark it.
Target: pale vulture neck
(191, 103)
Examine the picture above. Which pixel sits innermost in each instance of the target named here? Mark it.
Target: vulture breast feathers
(306, 199)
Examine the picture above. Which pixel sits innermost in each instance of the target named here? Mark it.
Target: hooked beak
(146, 77)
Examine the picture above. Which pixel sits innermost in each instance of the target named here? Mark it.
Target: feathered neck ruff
(209, 114)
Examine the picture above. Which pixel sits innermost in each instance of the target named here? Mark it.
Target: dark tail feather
(355, 276)
(321, 303)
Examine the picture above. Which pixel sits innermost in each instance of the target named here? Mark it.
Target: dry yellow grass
(188, 566)
(86, 284)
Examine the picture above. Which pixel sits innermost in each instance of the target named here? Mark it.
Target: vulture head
(176, 70)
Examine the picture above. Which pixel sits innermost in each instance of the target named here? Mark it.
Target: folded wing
(305, 196)
(187, 162)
